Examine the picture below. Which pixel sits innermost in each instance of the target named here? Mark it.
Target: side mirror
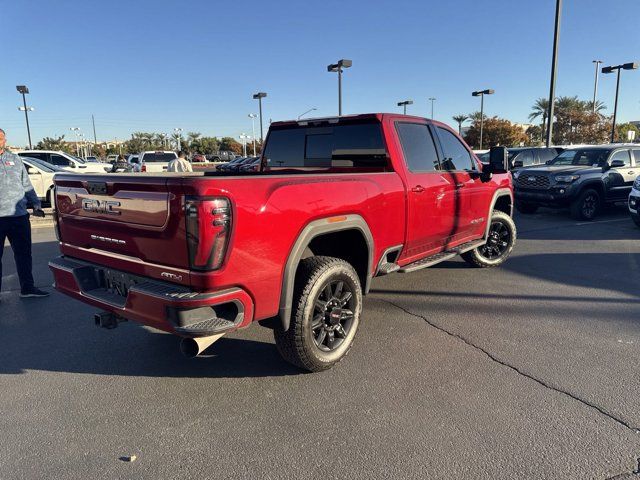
(548, 162)
(498, 160)
(617, 164)
(518, 164)
(32, 171)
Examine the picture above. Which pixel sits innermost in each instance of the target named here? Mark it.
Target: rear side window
(636, 154)
(456, 155)
(159, 157)
(418, 147)
(348, 145)
(526, 157)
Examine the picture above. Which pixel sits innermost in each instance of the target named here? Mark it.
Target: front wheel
(327, 303)
(500, 242)
(586, 206)
(636, 220)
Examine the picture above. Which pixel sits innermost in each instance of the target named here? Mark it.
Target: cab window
(418, 147)
(456, 156)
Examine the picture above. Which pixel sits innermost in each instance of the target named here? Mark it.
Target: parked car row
(66, 161)
(240, 164)
(585, 179)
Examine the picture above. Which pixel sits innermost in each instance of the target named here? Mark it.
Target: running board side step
(440, 257)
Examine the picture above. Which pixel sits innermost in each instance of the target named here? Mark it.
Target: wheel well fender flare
(497, 195)
(309, 232)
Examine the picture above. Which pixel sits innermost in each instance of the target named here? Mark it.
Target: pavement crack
(495, 359)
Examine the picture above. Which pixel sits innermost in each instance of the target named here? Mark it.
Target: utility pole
(554, 66)
(93, 120)
(259, 96)
(432, 100)
(253, 116)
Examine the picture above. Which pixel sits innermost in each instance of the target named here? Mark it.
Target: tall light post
(76, 130)
(404, 105)
(595, 85)
(337, 67)
(305, 112)
(178, 137)
(259, 96)
(253, 117)
(432, 99)
(481, 94)
(611, 69)
(22, 89)
(554, 66)
(244, 137)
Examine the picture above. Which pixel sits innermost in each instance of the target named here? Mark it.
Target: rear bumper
(162, 305)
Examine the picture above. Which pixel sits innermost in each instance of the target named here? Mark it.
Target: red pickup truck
(337, 201)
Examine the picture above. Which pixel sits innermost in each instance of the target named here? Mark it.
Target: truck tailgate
(135, 222)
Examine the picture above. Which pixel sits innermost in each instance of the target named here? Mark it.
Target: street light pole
(481, 94)
(178, 138)
(625, 66)
(93, 120)
(304, 113)
(432, 100)
(554, 66)
(404, 104)
(615, 108)
(253, 116)
(595, 86)
(337, 67)
(259, 96)
(75, 130)
(244, 137)
(24, 90)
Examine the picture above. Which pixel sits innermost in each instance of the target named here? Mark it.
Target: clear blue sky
(155, 65)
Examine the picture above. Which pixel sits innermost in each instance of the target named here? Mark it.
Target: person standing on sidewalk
(15, 191)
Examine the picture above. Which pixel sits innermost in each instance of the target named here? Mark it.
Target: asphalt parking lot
(527, 371)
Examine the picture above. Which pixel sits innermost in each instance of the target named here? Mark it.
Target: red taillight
(143, 168)
(208, 223)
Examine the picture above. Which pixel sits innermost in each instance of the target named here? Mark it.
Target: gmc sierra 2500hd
(337, 201)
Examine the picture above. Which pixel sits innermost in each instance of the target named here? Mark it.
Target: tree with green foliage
(58, 144)
(622, 130)
(496, 131)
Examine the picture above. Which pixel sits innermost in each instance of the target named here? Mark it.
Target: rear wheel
(587, 205)
(526, 208)
(500, 242)
(327, 303)
(636, 220)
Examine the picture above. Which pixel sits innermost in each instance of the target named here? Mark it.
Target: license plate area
(115, 282)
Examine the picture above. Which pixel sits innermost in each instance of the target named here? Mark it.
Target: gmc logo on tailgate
(100, 206)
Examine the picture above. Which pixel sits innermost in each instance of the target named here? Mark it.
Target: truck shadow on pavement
(56, 335)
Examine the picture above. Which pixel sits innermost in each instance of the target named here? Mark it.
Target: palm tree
(540, 109)
(600, 106)
(460, 119)
(193, 136)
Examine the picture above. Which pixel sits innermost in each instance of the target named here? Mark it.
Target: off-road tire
(478, 258)
(526, 208)
(580, 206)
(297, 344)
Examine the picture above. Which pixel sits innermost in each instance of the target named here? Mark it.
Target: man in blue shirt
(15, 191)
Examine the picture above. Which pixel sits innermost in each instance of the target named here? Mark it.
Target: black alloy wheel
(498, 241)
(332, 315)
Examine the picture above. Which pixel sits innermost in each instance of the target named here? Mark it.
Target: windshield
(92, 160)
(345, 145)
(159, 157)
(581, 157)
(78, 159)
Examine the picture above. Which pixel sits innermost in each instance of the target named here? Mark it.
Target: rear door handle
(631, 172)
(418, 189)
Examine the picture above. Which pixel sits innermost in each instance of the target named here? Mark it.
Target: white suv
(66, 161)
(154, 161)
